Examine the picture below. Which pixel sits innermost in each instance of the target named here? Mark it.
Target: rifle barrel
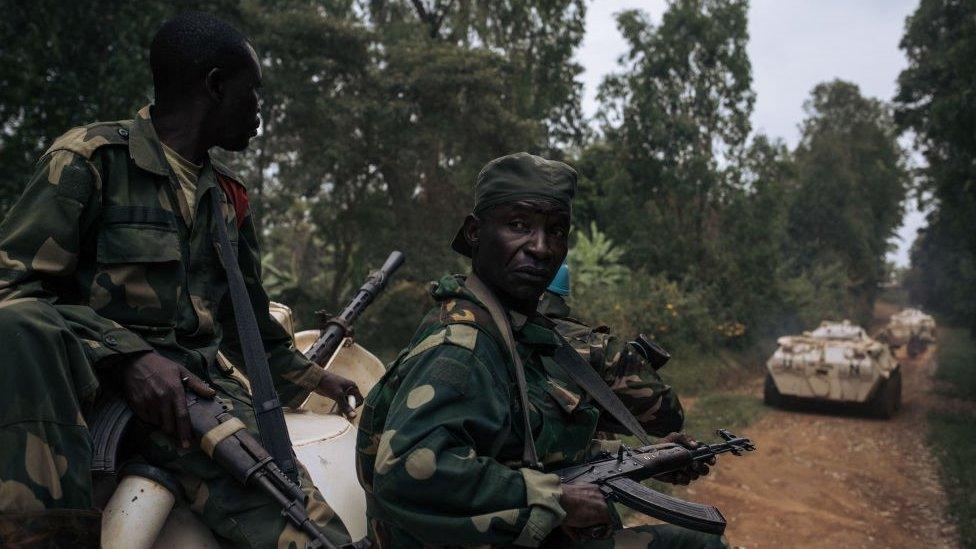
(339, 326)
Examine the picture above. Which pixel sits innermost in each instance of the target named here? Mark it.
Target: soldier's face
(518, 247)
(237, 114)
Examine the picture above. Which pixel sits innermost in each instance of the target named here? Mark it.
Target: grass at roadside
(697, 372)
(957, 363)
(722, 411)
(951, 434)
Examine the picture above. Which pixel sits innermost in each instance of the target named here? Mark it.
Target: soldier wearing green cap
(447, 453)
(625, 370)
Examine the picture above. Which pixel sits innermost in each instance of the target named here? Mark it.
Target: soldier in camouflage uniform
(109, 278)
(630, 376)
(440, 451)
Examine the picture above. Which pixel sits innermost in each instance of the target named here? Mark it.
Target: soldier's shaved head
(188, 47)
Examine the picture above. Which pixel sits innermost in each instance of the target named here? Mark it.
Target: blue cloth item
(560, 282)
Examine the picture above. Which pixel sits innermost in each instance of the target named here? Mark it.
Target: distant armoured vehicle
(911, 329)
(837, 362)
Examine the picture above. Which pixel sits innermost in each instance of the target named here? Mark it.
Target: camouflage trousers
(45, 461)
(657, 536)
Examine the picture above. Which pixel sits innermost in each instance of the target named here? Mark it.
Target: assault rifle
(226, 440)
(618, 477)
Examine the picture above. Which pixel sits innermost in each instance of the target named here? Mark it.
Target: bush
(651, 305)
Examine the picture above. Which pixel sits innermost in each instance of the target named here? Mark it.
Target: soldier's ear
(472, 225)
(214, 83)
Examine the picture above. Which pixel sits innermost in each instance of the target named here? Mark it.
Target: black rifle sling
(267, 408)
(586, 377)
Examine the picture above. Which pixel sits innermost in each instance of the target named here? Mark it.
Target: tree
(851, 185)
(935, 101)
(677, 116)
(752, 246)
(50, 80)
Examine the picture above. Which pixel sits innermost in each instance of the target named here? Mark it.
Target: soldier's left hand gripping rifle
(619, 475)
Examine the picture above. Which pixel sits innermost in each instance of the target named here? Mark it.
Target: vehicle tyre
(896, 376)
(915, 347)
(887, 399)
(771, 395)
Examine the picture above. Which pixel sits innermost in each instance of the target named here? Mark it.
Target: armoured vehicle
(143, 513)
(912, 329)
(837, 363)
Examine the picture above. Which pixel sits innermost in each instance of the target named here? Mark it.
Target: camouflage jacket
(441, 438)
(98, 235)
(630, 376)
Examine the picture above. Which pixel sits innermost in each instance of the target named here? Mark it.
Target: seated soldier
(623, 367)
(109, 277)
(447, 452)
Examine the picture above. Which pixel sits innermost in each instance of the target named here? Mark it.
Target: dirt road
(823, 480)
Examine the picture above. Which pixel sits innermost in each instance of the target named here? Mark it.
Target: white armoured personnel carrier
(912, 329)
(837, 362)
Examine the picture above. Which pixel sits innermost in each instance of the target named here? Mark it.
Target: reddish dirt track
(824, 480)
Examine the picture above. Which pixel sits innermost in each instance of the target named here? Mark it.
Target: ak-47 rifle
(227, 441)
(618, 477)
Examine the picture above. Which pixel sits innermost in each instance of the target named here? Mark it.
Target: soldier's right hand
(585, 507)
(153, 387)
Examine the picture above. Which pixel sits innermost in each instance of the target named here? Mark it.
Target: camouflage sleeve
(640, 387)
(40, 239)
(294, 375)
(433, 474)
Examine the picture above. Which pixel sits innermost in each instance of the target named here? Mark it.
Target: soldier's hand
(690, 473)
(153, 387)
(344, 391)
(585, 507)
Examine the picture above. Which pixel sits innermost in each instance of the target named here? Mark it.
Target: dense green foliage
(951, 431)
(761, 240)
(379, 113)
(935, 101)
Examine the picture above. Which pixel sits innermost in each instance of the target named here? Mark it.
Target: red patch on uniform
(237, 195)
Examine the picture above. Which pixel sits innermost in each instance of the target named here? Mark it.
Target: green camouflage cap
(519, 176)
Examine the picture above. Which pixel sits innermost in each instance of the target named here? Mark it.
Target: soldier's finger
(167, 419)
(354, 392)
(184, 429)
(347, 406)
(147, 411)
(196, 384)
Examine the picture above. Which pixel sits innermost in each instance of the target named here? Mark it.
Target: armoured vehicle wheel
(915, 347)
(896, 376)
(771, 395)
(887, 400)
